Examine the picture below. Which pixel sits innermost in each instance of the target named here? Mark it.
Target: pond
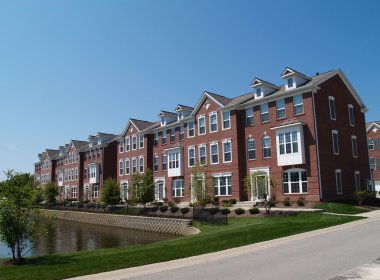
(67, 236)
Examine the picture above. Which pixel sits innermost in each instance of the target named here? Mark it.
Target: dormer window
(290, 83)
(180, 115)
(163, 121)
(259, 92)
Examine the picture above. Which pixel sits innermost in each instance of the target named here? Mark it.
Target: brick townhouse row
(307, 135)
(373, 132)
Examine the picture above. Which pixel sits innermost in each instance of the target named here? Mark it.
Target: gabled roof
(241, 99)
(257, 82)
(220, 100)
(139, 124)
(371, 125)
(52, 153)
(79, 144)
(289, 71)
(183, 108)
(167, 114)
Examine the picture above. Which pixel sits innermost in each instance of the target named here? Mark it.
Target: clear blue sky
(72, 68)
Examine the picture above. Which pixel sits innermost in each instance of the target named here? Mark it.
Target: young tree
(110, 194)
(50, 193)
(17, 202)
(199, 185)
(143, 187)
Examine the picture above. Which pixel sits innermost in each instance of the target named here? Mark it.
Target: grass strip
(340, 208)
(238, 232)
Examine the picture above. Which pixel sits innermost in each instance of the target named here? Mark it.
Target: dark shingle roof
(221, 99)
(242, 98)
(52, 153)
(79, 144)
(141, 125)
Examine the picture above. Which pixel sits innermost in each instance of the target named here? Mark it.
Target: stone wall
(164, 225)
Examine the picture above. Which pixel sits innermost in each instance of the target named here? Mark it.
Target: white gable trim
(200, 101)
(370, 127)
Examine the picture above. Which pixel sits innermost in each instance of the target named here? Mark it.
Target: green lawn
(340, 208)
(238, 232)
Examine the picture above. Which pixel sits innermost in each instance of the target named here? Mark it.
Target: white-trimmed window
(280, 109)
(73, 192)
(121, 143)
(127, 166)
(134, 165)
(155, 141)
(298, 104)
(371, 144)
(214, 153)
(332, 107)
(357, 180)
(202, 155)
(290, 82)
(259, 92)
(121, 168)
(190, 129)
(127, 144)
(338, 181)
(173, 160)
(354, 145)
(191, 152)
(155, 164)
(226, 120)
(92, 171)
(251, 147)
(163, 133)
(134, 142)
(267, 152)
(76, 173)
(351, 114)
(201, 125)
(213, 118)
(249, 117)
(141, 141)
(141, 164)
(172, 135)
(294, 181)
(95, 191)
(264, 112)
(181, 133)
(222, 185)
(178, 188)
(72, 174)
(288, 142)
(335, 140)
(372, 163)
(164, 162)
(227, 151)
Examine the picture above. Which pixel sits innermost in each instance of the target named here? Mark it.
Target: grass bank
(341, 208)
(238, 232)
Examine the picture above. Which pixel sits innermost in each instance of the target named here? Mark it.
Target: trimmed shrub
(215, 201)
(301, 201)
(254, 211)
(174, 209)
(214, 210)
(226, 203)
(163, 208)
(154, 209)
(185, 210)
(225, 211)
(287, 201)
(239, 211)
(233, 201)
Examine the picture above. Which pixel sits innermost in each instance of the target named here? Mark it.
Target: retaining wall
(164, 225)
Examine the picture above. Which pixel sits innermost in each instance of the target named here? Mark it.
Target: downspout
(317, 143)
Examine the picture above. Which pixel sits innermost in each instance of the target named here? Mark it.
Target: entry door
(160, 189)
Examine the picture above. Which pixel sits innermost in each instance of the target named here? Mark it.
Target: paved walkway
(367, 272)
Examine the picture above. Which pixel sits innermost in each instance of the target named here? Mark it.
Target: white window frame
(211, 121)
(189, 158)
(155, 139)
(121, 167)
(164, 163)
(357, 180)
(134, 142)
(174, 160)
(226, 120)
(250, 150)
(354, 145)
(295, 105)
(74, 191)
(264, 113)
(249, 116)
(337, 182)
(335, 132)
(371, 144)
(293, 141)
(134, 165)
(127, 144)
(202, 147)
(155, 163)
(228, 179)
(288, 82)
(199, 125)
(121, 146)
(141, 141)
(181, 133)
(224, 142)
(351, 116)
(211, 152)
(190, 129)
(332, 110)
(280, 109)
(164, 142)
(127, 166)
(267, 147)
(141, 164)
(289, 182)
(180, 187)
(95, 192)
(172, 135)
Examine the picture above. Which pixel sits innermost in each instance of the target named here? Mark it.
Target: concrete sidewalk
(186, 262)
(369, 271)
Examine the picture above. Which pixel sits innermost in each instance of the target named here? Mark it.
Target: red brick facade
(373, 132)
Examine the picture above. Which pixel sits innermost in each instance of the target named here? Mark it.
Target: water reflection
(67, 236)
